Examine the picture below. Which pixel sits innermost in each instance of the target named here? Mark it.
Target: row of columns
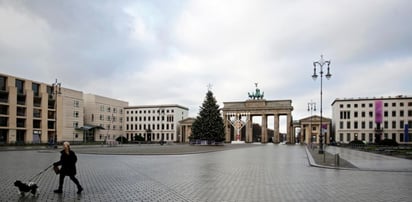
(249, 128)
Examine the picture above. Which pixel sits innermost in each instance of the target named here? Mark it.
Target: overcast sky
(167, 52)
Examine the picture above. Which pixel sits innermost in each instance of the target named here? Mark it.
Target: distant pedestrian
(67, 162)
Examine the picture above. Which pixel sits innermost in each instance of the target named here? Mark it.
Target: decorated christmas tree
(209, 124)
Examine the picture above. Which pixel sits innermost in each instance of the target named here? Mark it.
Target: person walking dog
(67, 162)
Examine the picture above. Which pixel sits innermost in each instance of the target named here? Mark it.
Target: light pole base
(238, 142)
(321, 152)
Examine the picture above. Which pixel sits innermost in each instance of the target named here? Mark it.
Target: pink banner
(378, 111)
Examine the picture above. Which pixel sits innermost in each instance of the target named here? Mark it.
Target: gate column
(227, 129)
(290, 137)
(276, 128)
(264, 129)
(249, 130)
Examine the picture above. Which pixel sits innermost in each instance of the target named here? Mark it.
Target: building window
(370, 104)
(385, 124)
(401, 114)
(401, 137)
(3, 81)
(76, 114)
(363, 105)
(101, 108)
(355, 105)
(341, 125)
(385, 113)
(348, 125)
(348, 137)
(401, 124)
(363, 125)
(393, 113)
(370, 137)
(20, 86)
(36, 88)
(348, 105)
(393, 124)
(355, 114)
(363, 114)
(409, 113)
(370, 114)
(341, 137)
(394, 104)
(341, 106)
(370, 124)
(363, 136)
(355, 125)
(385, 104)
(76, 103)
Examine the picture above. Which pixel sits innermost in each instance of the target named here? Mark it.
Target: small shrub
(356, 142)
(122, 139)
(388, 142)
(138, 138)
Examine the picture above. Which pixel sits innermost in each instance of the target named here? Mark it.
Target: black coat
(68, 163)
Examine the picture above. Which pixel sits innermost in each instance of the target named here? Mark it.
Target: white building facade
(103, 118)
(360, 119)
(154, 122)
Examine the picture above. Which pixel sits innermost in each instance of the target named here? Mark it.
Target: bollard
(337, 159)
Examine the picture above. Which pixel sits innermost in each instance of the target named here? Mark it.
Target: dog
(26, 187)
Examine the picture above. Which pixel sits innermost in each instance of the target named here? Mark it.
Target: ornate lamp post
(238, 121)
(311, 108)
(321, 63)
(161, 114)
(56, 90)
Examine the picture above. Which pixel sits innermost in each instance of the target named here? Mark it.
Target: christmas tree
(209, 124)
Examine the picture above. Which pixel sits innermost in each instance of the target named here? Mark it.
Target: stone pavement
(372, 162)
(248, 172)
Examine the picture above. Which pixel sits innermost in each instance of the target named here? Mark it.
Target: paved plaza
(263, 172)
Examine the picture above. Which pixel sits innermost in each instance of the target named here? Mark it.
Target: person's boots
(59, 190)
(79, 189)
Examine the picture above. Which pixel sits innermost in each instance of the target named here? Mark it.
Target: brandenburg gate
(243, 112)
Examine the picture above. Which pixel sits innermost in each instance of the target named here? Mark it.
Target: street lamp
(321, 63)
(161, 114)
(56, 90)
(311, 108)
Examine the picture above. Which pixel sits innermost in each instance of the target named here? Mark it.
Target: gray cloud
(161, 52)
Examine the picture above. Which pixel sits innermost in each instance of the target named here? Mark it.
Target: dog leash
(31, 179)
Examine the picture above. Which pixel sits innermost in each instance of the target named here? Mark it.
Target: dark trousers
(72, 177)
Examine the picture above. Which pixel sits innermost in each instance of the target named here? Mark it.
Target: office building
(372, 119)
(154, 122)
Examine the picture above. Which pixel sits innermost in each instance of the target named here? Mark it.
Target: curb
(314, 164)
